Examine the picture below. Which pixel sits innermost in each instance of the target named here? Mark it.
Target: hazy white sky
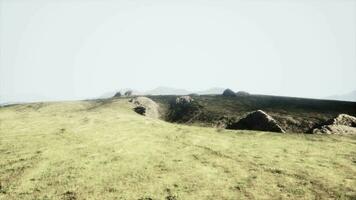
(72, 49)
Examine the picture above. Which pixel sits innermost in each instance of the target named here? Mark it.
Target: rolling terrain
(102, 149)
(296, 115)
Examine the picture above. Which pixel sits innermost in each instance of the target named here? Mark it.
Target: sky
(75, 49)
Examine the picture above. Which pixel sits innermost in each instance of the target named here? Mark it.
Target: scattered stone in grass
(280, 185)
(69, 195)
(61, 131)
(237, 188)
(275, 171)
(145, 198)
(2, 189)
(171, 197)
(257, 157)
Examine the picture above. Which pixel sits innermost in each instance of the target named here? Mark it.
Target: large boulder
(228, 93)
(257, 120)
(117, 95)
(342, 124)
(145, 106)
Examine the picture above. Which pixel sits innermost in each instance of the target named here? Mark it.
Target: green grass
(103, 150)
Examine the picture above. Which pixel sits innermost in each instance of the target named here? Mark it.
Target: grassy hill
(296, 115)
(103, 150)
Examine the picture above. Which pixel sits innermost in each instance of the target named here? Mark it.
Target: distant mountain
(122, 91)
(216, 90)
(167, 91)
(344, 97)
(176, 91)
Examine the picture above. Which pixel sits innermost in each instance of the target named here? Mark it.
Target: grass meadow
(103, 150)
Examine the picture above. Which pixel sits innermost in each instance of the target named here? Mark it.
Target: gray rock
(145, 106)
(335, 129)
(343, 119)
(184, 100)
(117, 94)
(228, 93)
(140, 110)
(257, 120)
(342, 124)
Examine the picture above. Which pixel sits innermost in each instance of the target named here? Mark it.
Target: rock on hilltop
(228, 93)
(257, 120)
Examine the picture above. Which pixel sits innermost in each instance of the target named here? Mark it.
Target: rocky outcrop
(343, 119)
(228, 93)
(342, 124)
(184, 100)
(145, 106)
(335, 129)
(257, 120)
(183, 110)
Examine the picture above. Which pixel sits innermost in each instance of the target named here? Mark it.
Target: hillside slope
(103, 150)
(296, 115)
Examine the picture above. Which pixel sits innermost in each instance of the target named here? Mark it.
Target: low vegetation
(295, 115)
(104, 150)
